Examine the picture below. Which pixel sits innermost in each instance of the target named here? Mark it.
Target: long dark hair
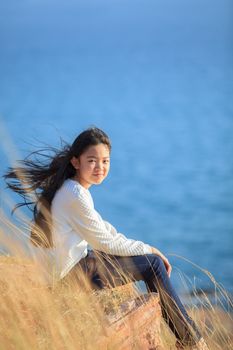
(42, 173)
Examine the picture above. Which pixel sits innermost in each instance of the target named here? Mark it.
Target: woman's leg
(105, 270)
(114, 270)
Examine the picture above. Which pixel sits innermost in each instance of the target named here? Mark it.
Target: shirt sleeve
(100, 234)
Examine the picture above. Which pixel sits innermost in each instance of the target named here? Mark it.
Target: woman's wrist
(156, 251)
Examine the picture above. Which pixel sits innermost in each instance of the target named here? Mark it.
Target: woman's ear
(75, 162)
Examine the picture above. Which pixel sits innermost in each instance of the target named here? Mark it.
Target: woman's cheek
(92, 166)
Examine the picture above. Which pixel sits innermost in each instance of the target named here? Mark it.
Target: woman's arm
(92, 228)
(153, 249)
(100, 234)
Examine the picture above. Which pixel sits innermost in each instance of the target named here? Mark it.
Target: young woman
(65, 219)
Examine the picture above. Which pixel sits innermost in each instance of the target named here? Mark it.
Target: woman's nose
(98, 165)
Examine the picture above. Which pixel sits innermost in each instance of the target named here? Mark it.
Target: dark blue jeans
(108, 271)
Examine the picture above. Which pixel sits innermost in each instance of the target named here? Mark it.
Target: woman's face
(92, 166)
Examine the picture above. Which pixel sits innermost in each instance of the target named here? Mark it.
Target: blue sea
(157, 76)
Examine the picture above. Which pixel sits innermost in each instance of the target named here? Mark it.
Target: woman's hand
(165, 260)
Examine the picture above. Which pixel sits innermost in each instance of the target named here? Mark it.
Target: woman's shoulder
(71, 195)
(72, 189)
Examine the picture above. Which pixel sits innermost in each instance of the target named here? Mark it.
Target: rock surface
(135, 325)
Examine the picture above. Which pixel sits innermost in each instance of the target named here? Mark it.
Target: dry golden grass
(38, 317)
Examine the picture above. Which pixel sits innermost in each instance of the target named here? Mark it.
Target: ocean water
(158, 79)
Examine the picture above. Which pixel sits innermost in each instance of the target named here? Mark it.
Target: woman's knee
(157, 263)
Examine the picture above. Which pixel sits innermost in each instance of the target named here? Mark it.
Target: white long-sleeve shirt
(76, 224)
